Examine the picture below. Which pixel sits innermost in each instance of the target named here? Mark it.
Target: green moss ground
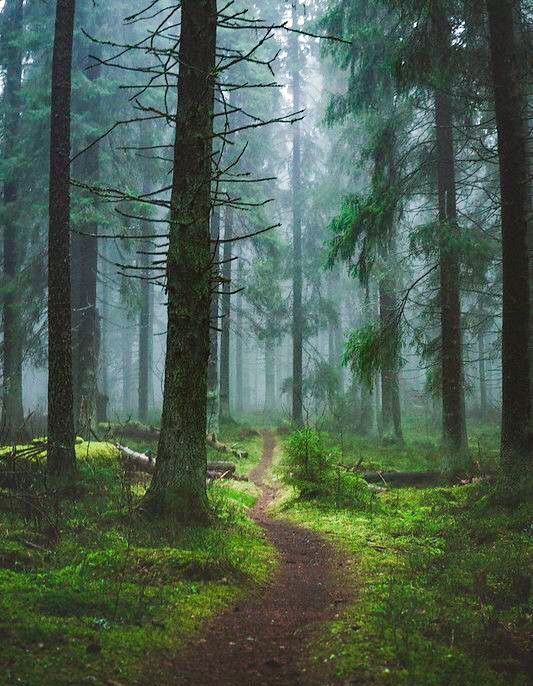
(440, 575)
(114, 597)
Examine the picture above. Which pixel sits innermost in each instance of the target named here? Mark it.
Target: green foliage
(370, 349)
(314, 471)
(442, 594)
(108, 595)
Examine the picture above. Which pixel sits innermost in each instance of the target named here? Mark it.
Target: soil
(264, 639)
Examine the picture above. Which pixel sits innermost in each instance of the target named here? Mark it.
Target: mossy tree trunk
(178, 487)
(61, 459)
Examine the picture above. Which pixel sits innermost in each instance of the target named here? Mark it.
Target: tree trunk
(84, 271)
(145, 315)
(270, 379)
(127, 404)
(239, 384)
(12, 407)
(215, 319)
(225, 413)
(482, 378)
(61, 458)
(297, 278)
(178, 487)
(105, 294)
(512, 150)
(453, 403)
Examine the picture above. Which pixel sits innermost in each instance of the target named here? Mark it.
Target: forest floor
(264, 594)
(265, 638)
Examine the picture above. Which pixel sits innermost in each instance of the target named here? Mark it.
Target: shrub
(314, 471)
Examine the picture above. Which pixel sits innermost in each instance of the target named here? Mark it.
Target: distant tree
(224, 410)
(296, 185)
(61, 459)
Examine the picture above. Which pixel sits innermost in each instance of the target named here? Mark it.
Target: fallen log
(403, 478)
(150, 433)
(223, 448)
(145, 463)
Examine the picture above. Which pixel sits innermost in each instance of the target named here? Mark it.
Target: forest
(266, 342)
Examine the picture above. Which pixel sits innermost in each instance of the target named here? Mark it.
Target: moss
(442, 599)
(109, 597)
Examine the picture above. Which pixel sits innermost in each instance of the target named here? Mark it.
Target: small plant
(314, 471)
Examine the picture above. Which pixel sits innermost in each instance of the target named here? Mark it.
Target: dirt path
(262, 640)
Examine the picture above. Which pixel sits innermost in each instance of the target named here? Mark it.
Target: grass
(109, 598)
(442, 592)
(419, 452)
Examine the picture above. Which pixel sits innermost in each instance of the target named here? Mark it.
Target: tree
(296, 183)
(453, 402)
(512, 150)
(12, 407)
(61, 459)
(178, 487)
(85, 243)
(224, 410)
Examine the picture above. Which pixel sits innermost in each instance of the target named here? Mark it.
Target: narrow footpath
(264, 639)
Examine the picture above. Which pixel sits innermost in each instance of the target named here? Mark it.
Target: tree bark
(225, 413)
(178, 487)
(84, 272)
(61, 460)
(12, 408)
(512, 150)
(297, 277)
(453, 403)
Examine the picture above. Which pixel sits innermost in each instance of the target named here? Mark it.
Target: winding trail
(263, 640)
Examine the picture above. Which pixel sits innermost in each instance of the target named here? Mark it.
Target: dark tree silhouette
(512, 150)
(61, 455)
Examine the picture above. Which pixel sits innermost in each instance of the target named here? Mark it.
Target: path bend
(263, 639)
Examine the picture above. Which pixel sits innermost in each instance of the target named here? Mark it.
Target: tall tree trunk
(215, 319)
(127, 404)
(453, 402)
(85, 270)
(145, 334)
(178, 487)
(512, 150)
(482, 378)
(12, 408)
(239, 385)
(61, 456)
(105, 294)
(297, 278)
(225, 413)
(145, 315)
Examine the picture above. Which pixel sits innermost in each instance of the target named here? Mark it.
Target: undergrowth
(442, 585)
(110, 598)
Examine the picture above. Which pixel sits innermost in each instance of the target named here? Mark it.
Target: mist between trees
(314, 212)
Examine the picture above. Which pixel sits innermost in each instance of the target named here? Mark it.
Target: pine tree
(178, 487)
(61, 459)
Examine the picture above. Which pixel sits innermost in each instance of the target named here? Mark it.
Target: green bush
(314, 472)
